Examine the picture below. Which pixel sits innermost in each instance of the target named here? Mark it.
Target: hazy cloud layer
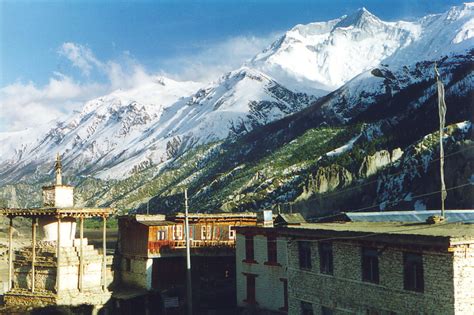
(212, 60)
(25, 104)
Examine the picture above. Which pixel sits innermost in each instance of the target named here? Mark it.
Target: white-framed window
(161, 235)
(178, 232)
(231, 232)
(206, 232)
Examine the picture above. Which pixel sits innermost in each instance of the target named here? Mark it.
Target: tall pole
(81, 258)
(10, 255)
(58, 255)
(188, 256)
(104, 249)
(33, 254)
(442, 121)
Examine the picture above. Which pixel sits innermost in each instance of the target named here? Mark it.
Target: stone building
(58, 268)
(364, 268)
(261, 263)
(151, 251)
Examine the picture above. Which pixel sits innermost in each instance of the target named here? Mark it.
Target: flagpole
(442, 121)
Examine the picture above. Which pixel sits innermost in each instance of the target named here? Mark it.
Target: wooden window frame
(304, 255)
(326, 258)
(370, 265)
(413, 272)
(272, 251)
(206, 232)
(178, 232)
(251, 292)
(249, 249)
(160, 235)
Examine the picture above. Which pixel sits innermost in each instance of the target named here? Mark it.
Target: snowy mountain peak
(360, 18)
(325, 55)
(458, 12)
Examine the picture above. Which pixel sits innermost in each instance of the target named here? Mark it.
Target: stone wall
(46, 268)
(268, 286)
(140, 272)
(345, 293)
(464, 278)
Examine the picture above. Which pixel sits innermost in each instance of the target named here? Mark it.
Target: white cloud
(213, 60)
(80, 57)
(25, 105)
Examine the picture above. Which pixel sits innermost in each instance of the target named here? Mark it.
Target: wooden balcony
(157, 246)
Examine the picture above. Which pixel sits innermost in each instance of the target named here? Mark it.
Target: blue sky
(86, 48)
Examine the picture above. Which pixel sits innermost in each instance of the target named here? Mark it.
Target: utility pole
(189, 293)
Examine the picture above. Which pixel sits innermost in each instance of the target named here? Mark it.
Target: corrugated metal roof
(465, 216)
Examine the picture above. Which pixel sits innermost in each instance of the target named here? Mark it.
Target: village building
(262, 262)
(361, 267)
(58, 268)
(152, 250)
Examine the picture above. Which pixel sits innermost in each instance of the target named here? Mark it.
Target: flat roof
(398, 233)
(73, 212)
(453, 230)
(157, 223)
(216, 215)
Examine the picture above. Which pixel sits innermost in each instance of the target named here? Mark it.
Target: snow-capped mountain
(325, 55)
(116, 135)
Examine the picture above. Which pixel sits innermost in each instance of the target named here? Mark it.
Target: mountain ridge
(137, 134)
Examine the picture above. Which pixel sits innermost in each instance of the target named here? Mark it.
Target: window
(370, 265)
(250, 288)
(325, 258)
(326, 310)
(160, 235)
(413, 279)
(178, 232)
(128, 264)
(285, 295)
(206, 232)
(231, 233)
(306, 308)
(249, 257)
(304, 253)
(271, 249)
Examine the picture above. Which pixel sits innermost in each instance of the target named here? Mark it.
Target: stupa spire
(57, 167)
